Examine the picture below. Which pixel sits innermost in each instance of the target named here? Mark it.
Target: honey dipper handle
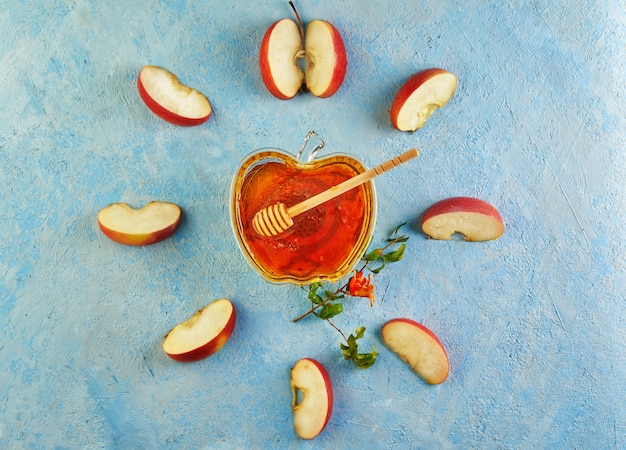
(350, 183)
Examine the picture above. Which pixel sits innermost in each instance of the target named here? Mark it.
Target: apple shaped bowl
(324, 243)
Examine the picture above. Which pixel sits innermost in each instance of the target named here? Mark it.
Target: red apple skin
(421, 327)
(463, 204)
(211, 347)
(329, 388)
(408, 88)
(425, 330)
(264, 65)
(140, 239)
(165, 113)
(341, 63)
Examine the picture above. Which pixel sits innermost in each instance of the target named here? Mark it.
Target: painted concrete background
(533, 322)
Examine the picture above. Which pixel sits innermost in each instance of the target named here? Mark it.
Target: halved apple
(419, 347)
(474, 218)
(323, 51)
(420, 96)
(152, 223)
(312, 398)
(171, 100)
(203, 334)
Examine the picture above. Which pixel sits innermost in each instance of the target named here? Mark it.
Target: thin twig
(340, 332)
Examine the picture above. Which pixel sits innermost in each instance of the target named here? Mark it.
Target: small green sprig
(350, 350)
(327, 303)
(381, 256)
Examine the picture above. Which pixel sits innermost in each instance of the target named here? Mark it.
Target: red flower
(362, 287)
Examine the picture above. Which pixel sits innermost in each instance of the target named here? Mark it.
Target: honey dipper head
(272, 220)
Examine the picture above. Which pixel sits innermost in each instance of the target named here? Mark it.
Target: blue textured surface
(533, 322)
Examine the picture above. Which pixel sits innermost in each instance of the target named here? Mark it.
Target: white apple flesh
(474, 218)
(153, 223)
(419, 347)
(171, 100)
(313, 407)
(323, 51)
(202, 335)
(420, 96)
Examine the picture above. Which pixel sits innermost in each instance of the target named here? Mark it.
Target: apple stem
(300, 26)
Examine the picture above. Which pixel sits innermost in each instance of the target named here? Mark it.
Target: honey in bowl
(323, 243)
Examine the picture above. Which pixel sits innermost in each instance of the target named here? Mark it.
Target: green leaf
(332, 296)
(313, 295)
(366, 360)
(330, 310)
(395, 255)
(313, 289)
(351, 350)
(379, 268)
(373, 255)
(359, 332)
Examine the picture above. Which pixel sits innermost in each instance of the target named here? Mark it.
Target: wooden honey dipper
(276, 218)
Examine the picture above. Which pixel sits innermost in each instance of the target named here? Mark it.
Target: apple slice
(203, 334)
(312, 398)
(148, 225)
(474, 218)
(420, 96)
(282, 48)
(419, 347)
(169, 99)
(325, 59)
